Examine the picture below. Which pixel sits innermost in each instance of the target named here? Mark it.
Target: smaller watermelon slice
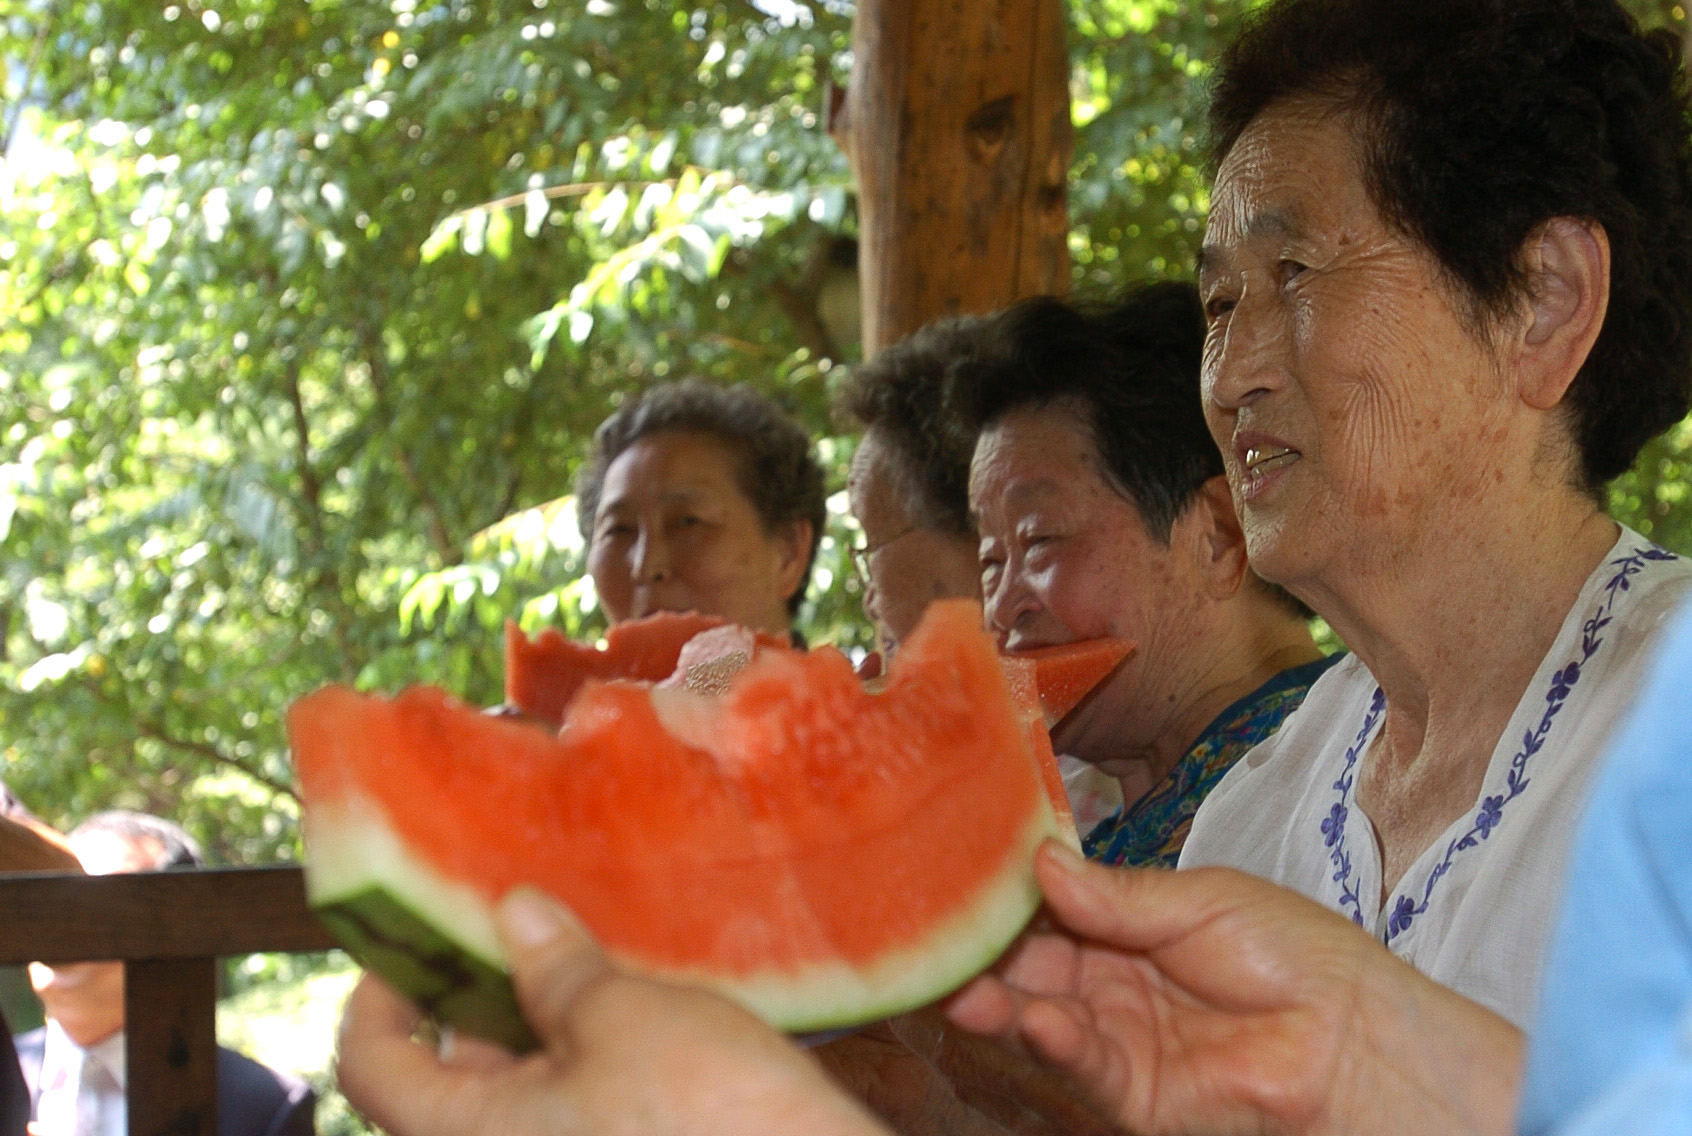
(823, 854)
(1066, 673)
(542, 674)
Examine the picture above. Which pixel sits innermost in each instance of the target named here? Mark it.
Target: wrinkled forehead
(1294, 171)
(666, 466)
(1031, 456)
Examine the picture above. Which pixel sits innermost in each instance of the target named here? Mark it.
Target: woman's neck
(1453, 635)
(1467, 619)
(1256, 639)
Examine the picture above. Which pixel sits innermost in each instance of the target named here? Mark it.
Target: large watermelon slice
(824, 855)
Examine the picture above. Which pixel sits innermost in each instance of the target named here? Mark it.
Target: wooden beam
(170, 1046)
(957, 126)
(156, 915)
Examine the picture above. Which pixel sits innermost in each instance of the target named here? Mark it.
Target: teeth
(1262, 459)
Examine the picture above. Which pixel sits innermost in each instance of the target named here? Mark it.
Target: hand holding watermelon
(1212, 1001)
(619, 1054)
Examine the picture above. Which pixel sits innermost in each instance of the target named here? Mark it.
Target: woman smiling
(1447, 277)
(701, 498)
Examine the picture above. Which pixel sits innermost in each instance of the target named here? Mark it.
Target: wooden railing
(169, 929)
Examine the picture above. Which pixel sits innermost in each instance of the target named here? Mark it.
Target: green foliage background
(308, 310)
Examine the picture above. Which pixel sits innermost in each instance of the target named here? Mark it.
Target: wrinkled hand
(619, 1054)
(1212, 1001)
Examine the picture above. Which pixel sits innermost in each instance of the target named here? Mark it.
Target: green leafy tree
(310, 312)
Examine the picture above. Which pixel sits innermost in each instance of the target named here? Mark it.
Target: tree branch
(311, 490)
(23, 85)
(439, 535)
(798, 301)
(211, 753)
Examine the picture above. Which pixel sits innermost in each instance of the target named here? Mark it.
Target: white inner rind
(351, 848)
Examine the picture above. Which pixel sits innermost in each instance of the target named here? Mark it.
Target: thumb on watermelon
(553, 960)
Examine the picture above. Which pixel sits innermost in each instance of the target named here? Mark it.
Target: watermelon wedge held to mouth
(1065, 673)
(826, 856)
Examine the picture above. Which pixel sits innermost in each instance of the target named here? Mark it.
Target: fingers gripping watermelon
(826, 856)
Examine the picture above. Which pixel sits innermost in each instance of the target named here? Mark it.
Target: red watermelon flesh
(1067, 672)
(542, 674)
(1025, 690)
(823, 854)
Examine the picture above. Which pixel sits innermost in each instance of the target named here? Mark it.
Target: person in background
(26, 845)
(1103, 511)
(1103, 490)
(909, 491)
(704, 498)
(74, 1065)
(908, 484)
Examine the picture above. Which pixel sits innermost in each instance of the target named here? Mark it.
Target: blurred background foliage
(308, 311)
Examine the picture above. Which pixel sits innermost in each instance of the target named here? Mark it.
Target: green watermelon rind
(433, 938)
(448, 982)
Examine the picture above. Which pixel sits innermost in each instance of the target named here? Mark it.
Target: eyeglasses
(861, 555)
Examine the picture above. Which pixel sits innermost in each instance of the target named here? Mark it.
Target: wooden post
(168, 928)
(957, 127)
(170, 1045)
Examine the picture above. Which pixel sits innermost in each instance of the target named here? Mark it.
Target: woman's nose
(1243, 360)
(1007, 603)
(651, 558)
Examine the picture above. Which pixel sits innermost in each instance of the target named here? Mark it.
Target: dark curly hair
(1131, 371)
(899, 395)
(777, 471)
(1480, 120)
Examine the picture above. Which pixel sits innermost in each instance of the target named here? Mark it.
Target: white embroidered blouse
(1475, 909)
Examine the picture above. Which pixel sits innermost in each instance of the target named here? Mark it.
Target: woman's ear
(1211, 531)
(795, 543)
(1568, 269)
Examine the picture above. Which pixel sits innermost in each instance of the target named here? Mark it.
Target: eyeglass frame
(860, 554)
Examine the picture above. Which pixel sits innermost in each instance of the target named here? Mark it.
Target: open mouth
(1261, 461)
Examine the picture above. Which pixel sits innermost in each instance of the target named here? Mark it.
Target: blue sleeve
(1611, 1052)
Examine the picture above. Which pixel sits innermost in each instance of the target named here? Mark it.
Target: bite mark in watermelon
(828, 857)
(542, 674)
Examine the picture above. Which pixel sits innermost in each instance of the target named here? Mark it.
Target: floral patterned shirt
(1151, 831)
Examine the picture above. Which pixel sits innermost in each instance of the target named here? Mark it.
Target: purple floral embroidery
(1334, 827)
(1492, 810)
(1563, 682)
(1491, 813)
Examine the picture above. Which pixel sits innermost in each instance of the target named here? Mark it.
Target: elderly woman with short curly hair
(701, 497)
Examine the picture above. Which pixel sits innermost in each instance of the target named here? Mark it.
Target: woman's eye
(1289, 269)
